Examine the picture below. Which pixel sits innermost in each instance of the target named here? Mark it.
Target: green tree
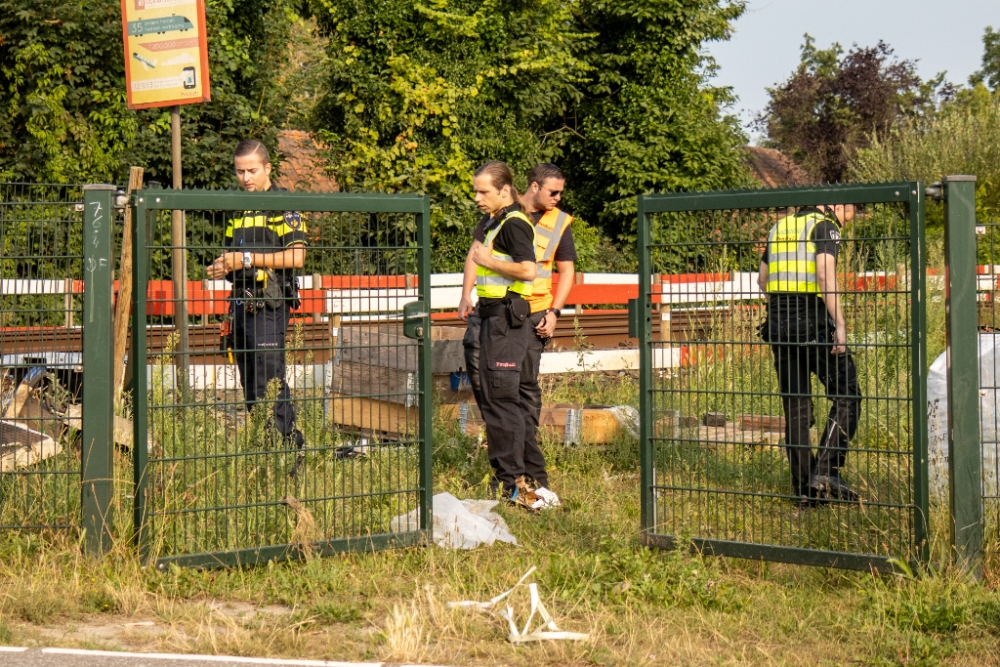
(649, 120)
(835, 102)
(64, 117)
(990, 73)
(962, 138)
(421, 93)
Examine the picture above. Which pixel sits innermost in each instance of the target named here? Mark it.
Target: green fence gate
(219, 483)
(714, 465)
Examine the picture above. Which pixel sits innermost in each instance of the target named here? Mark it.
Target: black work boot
(832, 486)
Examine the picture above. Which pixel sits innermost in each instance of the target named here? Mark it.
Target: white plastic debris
(628, 418)
(547, 631)
(460, 524)
(547, 499)
(989, 411)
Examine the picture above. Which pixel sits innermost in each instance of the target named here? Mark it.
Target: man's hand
(465, 308)
(226, 263)
(839, 340)
(547, 326)
(480, 253)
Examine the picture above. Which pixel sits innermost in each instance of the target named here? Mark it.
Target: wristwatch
(557, 312)
(247, 260)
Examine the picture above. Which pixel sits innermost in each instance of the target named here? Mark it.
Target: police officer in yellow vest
(263, 249)
(504, 268)
(807, 334)
(554, 247)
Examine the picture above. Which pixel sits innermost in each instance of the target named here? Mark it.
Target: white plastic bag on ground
(460, 524)
(937, 418)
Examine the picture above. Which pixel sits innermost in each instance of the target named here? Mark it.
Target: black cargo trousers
(530, 392)
(260, 357)
(801, 343)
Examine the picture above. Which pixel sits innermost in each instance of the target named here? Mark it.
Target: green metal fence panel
(988, 265)
(715, 442)
(41, 361)
(307, 428)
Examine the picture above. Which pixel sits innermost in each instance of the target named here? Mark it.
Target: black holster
(517, 312)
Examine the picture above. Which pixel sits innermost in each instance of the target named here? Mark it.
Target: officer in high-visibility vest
(503, 268)
(807, 334)
(554, 247)
(267, 247)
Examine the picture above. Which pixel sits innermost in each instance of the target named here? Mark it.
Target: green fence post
(98, 415)
(965, 458)
(425, 379)
(643, 327)
(918, 361)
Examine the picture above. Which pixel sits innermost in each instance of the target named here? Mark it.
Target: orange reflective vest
(548, 232)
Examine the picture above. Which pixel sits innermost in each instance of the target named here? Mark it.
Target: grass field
(641, 606)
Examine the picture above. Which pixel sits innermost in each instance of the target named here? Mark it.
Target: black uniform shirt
(565, 251)
(265, 231)
(516, 238)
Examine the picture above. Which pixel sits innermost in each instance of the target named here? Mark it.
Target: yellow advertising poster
(166, 52)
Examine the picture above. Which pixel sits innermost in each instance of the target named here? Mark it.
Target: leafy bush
(616, 93)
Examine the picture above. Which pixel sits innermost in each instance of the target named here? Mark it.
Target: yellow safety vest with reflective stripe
(489, 283)
(791, 254)
(548, 233)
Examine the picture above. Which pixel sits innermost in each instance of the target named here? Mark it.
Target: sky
(765, 47)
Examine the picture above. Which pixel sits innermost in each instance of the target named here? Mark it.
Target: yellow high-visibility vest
(489, 283)
(548, 232)
(791, 254)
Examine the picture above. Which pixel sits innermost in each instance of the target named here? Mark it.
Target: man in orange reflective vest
(554, 248)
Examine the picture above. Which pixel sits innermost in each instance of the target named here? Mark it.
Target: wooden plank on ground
(599, 425)
(390, 384)
(762, 423)
(373, 415)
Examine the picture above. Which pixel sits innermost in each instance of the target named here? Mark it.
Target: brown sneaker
(526, 496)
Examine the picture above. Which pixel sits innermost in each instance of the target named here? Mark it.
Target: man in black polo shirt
(267, 248)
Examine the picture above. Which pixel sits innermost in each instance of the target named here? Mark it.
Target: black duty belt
(491, 311)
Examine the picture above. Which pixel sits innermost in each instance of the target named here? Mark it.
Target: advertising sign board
(166, 52)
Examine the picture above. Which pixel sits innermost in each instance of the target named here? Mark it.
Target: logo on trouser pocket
(504, 365)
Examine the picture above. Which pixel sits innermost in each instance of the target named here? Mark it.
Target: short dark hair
(499, 173)
(544, 171)
(252, 147)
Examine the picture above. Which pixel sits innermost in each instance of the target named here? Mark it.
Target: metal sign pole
(179, 255)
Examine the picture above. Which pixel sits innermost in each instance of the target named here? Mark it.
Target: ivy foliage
(63, 111)
(420, 93)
